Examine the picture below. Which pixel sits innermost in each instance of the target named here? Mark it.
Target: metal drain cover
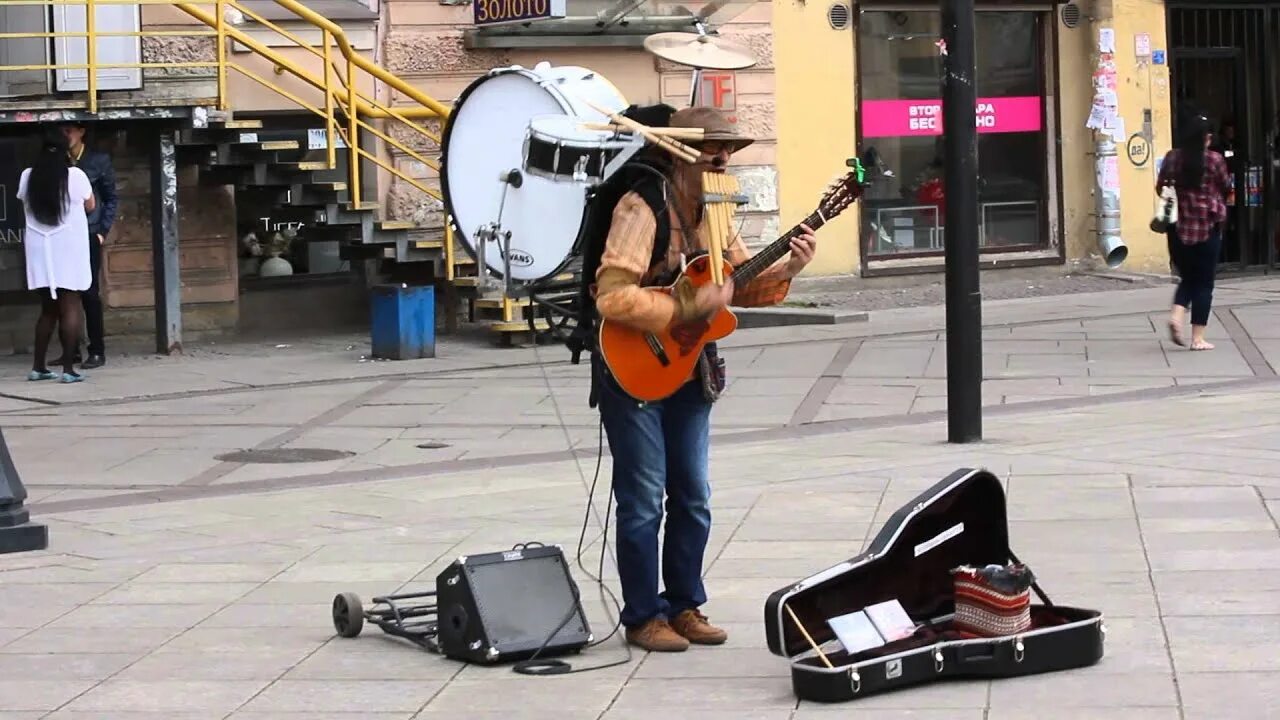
(285, 455)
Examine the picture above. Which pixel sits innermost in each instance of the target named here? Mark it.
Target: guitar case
(960, 521)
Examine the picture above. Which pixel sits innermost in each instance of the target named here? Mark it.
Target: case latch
(1019, 650)
(938, 660)
(855, 681)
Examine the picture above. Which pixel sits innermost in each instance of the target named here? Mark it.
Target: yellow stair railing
(346, 109)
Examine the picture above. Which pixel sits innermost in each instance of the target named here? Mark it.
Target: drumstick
(808, 637)
(674, 147)
(677, 133)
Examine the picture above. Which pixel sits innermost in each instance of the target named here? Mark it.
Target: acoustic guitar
(652, 366)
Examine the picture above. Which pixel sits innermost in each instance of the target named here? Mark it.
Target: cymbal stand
(697, 71)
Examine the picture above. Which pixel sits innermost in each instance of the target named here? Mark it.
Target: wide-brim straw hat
(714, 125)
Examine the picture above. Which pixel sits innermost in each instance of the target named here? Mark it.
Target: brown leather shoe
(657, 635)
(693, 626)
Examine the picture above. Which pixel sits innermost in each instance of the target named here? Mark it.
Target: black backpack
(644, 174)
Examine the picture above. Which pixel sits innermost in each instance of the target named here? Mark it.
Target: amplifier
(503, 606)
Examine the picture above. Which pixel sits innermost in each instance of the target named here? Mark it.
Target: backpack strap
(655, 196)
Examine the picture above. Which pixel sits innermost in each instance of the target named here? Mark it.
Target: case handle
(1034, 585)
(976, 654)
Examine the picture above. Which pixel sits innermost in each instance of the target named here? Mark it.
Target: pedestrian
(57, 199)
(97, 167)
(1201, 181)
(661, 448)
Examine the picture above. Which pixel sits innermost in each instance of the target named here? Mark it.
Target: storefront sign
(501, 12)
(905, 118)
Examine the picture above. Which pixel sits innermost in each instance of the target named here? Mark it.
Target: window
(900, 115)
(14, 157)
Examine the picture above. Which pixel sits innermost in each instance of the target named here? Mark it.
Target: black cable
(533, 666)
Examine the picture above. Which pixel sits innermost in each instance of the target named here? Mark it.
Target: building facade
(832, 80)
(435, 48)
(1040, 70)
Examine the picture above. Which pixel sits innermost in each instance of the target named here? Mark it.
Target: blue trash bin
(404, 322)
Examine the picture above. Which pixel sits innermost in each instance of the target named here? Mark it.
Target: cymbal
(700, 51)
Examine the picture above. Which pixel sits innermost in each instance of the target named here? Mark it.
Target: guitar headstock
(843, 191)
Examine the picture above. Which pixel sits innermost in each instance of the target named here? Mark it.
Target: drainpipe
(1110, 245)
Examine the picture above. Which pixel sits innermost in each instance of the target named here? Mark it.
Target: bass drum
(485, 137)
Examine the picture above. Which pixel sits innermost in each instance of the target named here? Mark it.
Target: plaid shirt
(1199, 209)
(627, 253)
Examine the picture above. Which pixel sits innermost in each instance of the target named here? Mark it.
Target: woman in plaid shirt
(1202, 181)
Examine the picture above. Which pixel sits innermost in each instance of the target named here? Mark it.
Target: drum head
(570, 130)
(484, 138)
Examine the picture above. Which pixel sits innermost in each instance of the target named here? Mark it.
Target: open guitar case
(960, 521)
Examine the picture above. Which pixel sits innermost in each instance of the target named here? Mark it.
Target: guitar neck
(747, 271)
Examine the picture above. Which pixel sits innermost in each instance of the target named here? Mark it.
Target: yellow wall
(814, 74)
(816, 81)
(1140, 88)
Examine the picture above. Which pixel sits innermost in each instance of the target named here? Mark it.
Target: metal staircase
(283, 166)
(297, 167)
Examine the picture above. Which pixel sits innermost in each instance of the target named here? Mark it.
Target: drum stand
(491, 232)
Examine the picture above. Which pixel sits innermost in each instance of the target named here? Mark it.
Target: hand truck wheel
(348, 614)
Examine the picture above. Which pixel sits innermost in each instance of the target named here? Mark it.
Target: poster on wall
(13, 274)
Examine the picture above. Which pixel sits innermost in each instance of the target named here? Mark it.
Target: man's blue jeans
(659, 447)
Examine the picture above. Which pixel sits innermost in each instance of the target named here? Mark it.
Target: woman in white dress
(56, 198)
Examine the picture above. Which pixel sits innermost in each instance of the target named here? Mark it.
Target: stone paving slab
(408, 421)
(188, 624)
(246, 364)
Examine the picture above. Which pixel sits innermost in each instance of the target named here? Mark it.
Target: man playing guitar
(662, 447)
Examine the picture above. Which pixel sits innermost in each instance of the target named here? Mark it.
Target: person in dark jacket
(102, 176)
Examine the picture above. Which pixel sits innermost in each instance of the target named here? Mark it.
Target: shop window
(900, 115)
(14, 156)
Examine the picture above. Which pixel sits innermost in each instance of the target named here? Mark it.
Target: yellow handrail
(373, 69)
(342, 96)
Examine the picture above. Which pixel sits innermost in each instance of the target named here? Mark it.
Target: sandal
(1202, 345)
(1175, 334)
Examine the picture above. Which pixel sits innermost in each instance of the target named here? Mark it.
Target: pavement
(184, 582)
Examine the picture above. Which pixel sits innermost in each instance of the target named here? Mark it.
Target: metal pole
(964, 300)
(17, 532)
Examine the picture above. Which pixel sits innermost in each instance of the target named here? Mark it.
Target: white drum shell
(485, 138)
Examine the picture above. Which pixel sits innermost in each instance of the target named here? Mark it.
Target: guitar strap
(711, 372)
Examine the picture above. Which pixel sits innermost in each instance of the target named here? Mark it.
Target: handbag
(993, 601)
(1166, 210)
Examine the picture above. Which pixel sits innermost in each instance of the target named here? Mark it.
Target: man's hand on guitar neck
(802, 250)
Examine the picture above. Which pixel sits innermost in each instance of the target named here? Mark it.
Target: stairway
(290, 167)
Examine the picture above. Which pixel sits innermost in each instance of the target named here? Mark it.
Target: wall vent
(1071, 15)
(839, 16)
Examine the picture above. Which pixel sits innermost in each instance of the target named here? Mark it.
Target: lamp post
(17, 532)
(964, 299)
